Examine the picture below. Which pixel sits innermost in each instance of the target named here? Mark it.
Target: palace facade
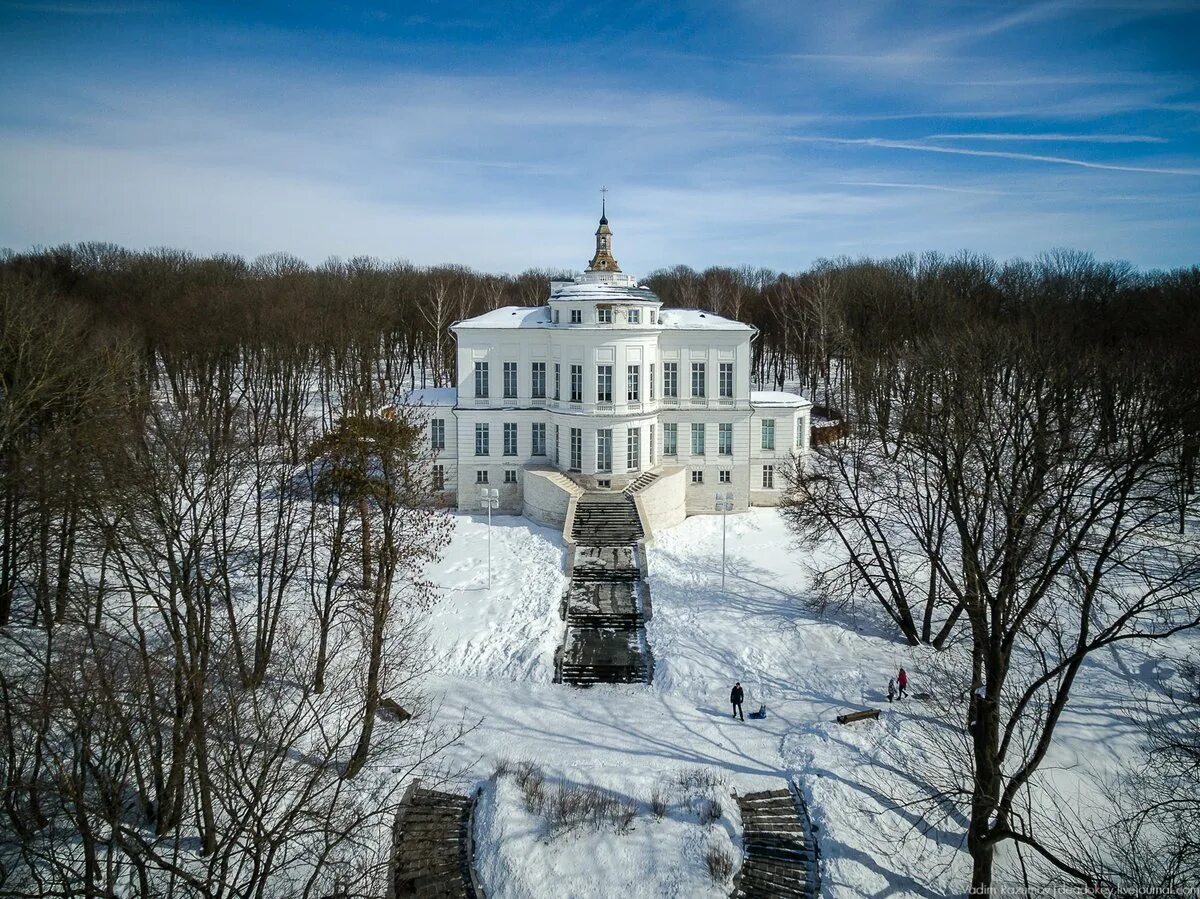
(601, 389)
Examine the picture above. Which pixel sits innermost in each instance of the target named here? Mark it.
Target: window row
(481, 476)
(724, 438)
(437, 430)
(605, 316)
(604, 381)
(725, 476)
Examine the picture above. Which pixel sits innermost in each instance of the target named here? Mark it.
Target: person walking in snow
(891, 688)
(902, 680)
(736, 695)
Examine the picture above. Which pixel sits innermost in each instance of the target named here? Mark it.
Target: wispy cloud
(996, 154)
(1052, 138)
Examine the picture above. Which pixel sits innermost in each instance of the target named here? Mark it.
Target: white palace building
(603, 389)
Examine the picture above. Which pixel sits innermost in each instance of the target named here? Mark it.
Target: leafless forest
(213, 544)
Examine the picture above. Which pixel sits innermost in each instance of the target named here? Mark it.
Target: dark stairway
(641, 482)
(605, 639)
(606, 519)
(433, 846)
(779, 860)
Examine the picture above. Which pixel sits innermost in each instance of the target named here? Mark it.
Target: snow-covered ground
(496, 660)
(510, 630)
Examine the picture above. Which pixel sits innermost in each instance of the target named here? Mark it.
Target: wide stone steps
(433, 840)
(605, 633)
(778, 859)
(594, 618)
(606, 520)
(589, 675)
(589, 573)
(641, 482)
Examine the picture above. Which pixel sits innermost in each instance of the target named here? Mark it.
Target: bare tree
(1039, 524)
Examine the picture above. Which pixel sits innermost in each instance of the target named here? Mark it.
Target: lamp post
(489, 498)
(723, 503)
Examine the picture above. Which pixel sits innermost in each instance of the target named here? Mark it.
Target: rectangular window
(510, 438)
(577, 316)
(635, 316)
(481, 476)
(697, 475)
(726, 476)
(556, 444)
(481, 379)
(768, 433)
(604, 449)
(510, 380)
(698, 379)
(537, 381)
(697, 439)
(437, 433)
(670, 379)
(651, 384)
(510, 476)
(538, 438)
(725, 439)
(768, 481)
(576, 383)
(557, 380)
(651, 445)
(439, 477)
(604, 316)
(726, 379)
(576, 449)
(633, 383)
(481, 440)
(670, 439)
(604, 383)
(633, 449)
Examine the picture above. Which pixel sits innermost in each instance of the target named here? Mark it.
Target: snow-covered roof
(434, 396)
(600, 292)
(699, 320)
(777, 398)
(509, 317)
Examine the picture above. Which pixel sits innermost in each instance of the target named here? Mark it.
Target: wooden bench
(865, 715)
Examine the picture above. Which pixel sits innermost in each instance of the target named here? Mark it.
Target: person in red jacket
(902, 682)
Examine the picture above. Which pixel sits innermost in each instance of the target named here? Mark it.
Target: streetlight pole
(723, 502)
(489, 498)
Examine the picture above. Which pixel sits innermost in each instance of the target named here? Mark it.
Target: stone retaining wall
(663, 504)
(547, 498)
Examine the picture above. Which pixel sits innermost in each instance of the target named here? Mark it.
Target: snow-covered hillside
(496, 650)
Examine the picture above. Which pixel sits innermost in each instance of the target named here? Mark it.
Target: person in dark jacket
(902, 681)
(736, 695)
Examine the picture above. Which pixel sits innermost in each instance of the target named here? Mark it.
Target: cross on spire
(603, 201)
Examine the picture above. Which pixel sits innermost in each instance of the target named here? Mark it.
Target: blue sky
(762, 132)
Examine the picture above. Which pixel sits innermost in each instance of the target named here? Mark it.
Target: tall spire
(603, 261)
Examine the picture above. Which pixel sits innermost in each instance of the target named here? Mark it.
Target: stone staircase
(780, 851)
(434, 846)
(641, 482)
(606, 519)
(606, 602)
